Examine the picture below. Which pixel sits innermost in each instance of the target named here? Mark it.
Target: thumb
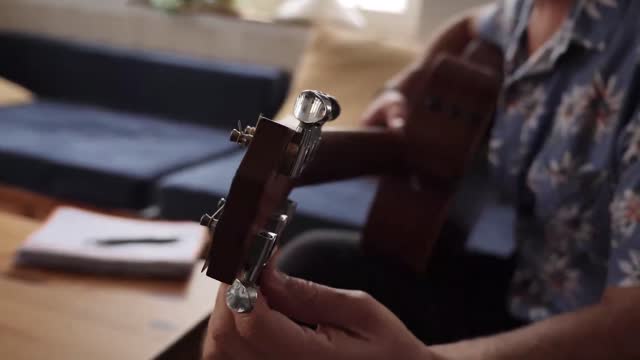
(396, 115)
(312, 303)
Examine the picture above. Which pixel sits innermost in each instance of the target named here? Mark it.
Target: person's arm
(608, 330)
(352, 325)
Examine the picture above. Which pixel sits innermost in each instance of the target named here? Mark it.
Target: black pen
(127, 241)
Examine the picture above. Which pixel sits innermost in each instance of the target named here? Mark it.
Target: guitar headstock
(247, 225)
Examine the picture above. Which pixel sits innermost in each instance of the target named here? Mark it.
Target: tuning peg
(315, 107)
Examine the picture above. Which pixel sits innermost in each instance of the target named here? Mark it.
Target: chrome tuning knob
(242, 295)
(315, 107)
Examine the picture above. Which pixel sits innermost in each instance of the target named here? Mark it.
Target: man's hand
(349, 325)
(389, 109)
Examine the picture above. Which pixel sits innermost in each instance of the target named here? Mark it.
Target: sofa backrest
(194, 90)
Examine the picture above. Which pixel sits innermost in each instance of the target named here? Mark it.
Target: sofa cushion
(200, 91)
(492, 233)
(96, 156)
(189, 193)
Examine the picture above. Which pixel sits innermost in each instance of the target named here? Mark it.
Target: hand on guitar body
(389, 108)
(349, 325)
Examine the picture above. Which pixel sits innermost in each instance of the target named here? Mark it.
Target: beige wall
(435, 12)
(420, 20)
(119, 23)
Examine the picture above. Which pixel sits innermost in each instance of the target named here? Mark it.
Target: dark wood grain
(442, 135)
(356, 152)
(256, 192)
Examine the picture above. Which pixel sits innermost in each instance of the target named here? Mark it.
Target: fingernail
(396, 122)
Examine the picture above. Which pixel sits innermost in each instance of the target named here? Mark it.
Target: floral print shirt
(565, 150)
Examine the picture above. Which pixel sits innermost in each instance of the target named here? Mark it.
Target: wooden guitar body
(442, 135)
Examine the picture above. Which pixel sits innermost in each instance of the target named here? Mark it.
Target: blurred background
(124, 107)
(131, 23)
(126, 104)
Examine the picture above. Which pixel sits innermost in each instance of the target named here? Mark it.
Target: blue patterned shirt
(565, 149)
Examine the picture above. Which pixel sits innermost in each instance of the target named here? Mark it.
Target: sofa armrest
(199, 91)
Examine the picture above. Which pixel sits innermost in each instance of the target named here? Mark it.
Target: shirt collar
(595, 22)
(590, 24)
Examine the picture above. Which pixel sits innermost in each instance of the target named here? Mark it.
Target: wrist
(439, 352)
(436, 352)
(465, 350)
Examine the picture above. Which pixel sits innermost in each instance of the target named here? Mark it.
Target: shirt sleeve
(624, 255)
(496, 22)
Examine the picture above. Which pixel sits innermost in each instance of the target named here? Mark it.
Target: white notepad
(71, 239)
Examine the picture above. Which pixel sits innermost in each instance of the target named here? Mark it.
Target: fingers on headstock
(253, 217)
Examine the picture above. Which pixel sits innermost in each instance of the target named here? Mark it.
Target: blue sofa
(188, 193)
(126, 129)
(109, 122)
(477, 217)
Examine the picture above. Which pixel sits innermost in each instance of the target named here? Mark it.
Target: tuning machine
(243, 136)
(241, 296)
(312, 109)
(210, 222)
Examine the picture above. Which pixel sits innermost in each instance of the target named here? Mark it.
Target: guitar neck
(351, 153)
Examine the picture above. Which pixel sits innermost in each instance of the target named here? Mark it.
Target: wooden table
(45, 314)
(12, 94)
